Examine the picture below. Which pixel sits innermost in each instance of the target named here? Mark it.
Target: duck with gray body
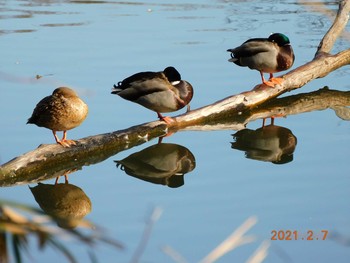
(267, 55)
(158, 91)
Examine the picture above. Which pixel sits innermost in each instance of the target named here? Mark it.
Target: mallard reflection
(66, 203)
(270, 143)
(163, 163)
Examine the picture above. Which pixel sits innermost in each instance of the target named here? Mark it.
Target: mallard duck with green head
(163, 91)
(61, 111)
(267, 55)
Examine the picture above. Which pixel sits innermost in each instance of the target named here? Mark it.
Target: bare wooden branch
(53, 160)
(322, 99)
(336, 29)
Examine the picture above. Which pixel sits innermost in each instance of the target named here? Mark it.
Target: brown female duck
(61, 111)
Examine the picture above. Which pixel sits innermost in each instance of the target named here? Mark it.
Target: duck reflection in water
(269, 143)
(163, 163)
(66, 203)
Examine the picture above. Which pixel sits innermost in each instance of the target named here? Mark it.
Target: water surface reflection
(162, 163)
(269, 143)
(86, 44)
(66, 203)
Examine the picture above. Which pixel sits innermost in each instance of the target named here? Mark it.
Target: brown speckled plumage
(61, 111)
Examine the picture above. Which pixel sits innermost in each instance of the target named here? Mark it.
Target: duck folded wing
(38, 118)
(141, 88)
(140, 77)
(250, 48)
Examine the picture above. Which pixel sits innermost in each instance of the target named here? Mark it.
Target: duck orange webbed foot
(272, 82)
(64, 142)
(166, 119)
(276, 81)
(67, 143)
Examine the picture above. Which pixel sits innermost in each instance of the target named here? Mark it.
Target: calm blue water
(89, 47)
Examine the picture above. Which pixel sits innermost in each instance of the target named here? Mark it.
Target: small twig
(236, 239)
(156, 213)
(176, 256)
(260, 254)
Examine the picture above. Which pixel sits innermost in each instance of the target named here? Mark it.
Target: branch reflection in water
(270, 143)
(49, 161)
(162, 163)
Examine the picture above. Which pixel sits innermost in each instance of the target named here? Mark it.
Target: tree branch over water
(234, 112)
